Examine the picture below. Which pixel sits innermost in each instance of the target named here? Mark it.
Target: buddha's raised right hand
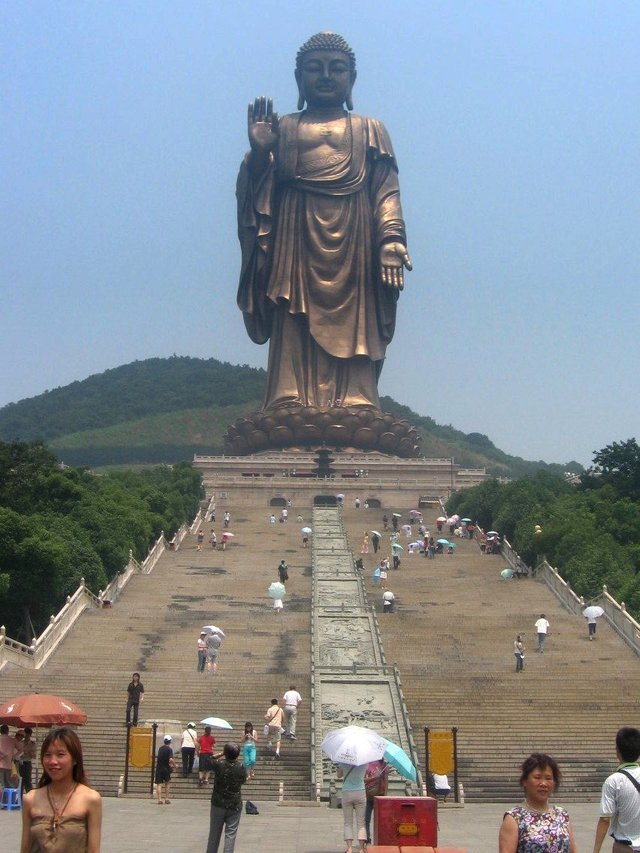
(262, 124)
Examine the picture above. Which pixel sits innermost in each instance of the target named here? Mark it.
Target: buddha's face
(325, 78)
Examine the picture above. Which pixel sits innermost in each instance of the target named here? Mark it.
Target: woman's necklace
(535, 808)
(56, 817)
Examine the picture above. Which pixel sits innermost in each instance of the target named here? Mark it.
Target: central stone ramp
(351, 682)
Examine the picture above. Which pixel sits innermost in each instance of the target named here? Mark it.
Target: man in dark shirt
(135, 695)
(226, 800)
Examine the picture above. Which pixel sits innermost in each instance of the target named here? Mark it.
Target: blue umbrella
(398, 758)
(216, 722)
(506, 573)
(443, 541)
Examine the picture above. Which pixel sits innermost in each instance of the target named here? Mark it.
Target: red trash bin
(406, 821)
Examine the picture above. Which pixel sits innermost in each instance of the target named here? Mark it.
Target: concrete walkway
(132, 825)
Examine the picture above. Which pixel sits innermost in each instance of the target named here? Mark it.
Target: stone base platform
(376, 478)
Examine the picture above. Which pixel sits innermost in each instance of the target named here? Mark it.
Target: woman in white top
(188, 748)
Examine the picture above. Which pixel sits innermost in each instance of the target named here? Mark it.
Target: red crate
(406, 821)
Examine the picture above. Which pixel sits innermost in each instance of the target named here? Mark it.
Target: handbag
(265, 730)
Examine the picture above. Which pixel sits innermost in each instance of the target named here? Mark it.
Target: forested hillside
(128, 393)
(167, 409)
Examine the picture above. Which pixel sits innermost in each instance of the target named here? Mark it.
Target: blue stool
(11, 799)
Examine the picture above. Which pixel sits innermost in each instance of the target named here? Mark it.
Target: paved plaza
(131, 825)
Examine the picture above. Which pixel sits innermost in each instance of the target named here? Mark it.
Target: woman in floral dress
(536, 826)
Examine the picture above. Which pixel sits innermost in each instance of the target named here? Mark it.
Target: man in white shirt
(291, 701)
(388, 599)
(620, 801)
(542, 627)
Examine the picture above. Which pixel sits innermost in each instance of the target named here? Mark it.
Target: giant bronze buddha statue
(323, 253)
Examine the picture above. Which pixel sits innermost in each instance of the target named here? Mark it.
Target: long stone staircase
(154, 627)
(452, 637)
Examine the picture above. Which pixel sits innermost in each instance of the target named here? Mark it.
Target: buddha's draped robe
(310, 232)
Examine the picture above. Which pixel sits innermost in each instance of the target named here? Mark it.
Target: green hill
(167, 409)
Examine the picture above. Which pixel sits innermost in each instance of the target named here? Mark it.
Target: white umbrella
(376, 533)
(211, 629)
(354, 745)
(276, 590)
(216, 723)
(592, 612)
(307, 530)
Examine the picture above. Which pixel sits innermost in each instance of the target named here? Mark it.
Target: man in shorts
(274, 717)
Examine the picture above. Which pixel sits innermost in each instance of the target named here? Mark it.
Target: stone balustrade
(351, 682)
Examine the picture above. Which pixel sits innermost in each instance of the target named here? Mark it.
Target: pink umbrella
(41, 709)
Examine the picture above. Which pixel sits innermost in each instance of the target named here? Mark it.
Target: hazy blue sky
(517, 130)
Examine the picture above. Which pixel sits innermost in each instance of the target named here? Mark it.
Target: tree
(619, 465)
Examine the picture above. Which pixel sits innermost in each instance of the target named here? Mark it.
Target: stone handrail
(61, 623)
(369, 483)
(615, 613)
(413, 751)
(111, 594)
(42, 647)
(158, 549)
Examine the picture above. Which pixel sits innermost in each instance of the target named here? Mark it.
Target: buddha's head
(325, 72)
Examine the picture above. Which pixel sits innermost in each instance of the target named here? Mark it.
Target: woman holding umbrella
(63, 813)
(354, 802)
(591, 614)
(351, 748)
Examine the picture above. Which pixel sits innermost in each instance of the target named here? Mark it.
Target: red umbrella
(41, 709)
